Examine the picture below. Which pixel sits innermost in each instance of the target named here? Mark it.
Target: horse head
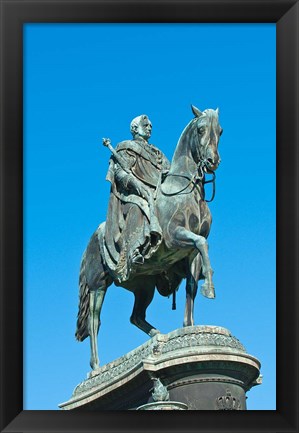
(206, 132)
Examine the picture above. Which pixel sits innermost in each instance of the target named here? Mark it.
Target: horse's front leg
(185, 238)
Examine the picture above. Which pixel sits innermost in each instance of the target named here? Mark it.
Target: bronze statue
(157, 225)
(132, 230)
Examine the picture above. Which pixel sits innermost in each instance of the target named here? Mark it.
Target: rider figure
(132, 231)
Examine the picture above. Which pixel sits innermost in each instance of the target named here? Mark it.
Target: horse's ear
(196, 111)
(217, 111)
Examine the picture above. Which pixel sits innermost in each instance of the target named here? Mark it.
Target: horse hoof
(154, 332)
(208, 290)
(188, 324)
(95, 366)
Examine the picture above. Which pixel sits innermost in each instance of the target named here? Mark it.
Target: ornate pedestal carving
(199, 367)
(164, 405)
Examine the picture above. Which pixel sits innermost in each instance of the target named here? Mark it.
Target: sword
(119, 159)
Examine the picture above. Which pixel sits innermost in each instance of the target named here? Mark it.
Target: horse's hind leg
(97, 280)
(143, 297)
(191, 289)
(96, 300)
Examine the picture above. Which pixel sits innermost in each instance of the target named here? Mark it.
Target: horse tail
(82, 330)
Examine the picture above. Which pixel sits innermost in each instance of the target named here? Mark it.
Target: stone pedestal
(197, 368)
(164, 405)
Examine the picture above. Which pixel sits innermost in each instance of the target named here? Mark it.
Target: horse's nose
(214, 162)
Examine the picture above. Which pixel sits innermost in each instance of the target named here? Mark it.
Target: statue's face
(144, 128)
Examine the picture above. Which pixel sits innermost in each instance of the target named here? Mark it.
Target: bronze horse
(185, 220)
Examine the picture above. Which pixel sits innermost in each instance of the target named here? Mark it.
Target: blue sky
(83, 82)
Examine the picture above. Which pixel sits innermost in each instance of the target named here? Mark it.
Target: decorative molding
(114, 370)
(205, 380)
(228, 402)
(160, 392)
(181, 339)
(202, 339)
(164, 405)
(203, 345)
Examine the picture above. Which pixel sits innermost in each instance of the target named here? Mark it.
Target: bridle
(198, 176)
(195, 178)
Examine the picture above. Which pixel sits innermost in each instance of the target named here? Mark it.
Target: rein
(196, 176)
(213, 181)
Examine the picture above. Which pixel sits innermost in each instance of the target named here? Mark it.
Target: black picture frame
(14, 14)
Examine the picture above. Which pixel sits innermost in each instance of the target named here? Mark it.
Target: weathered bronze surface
(195, 368)
(157, 224)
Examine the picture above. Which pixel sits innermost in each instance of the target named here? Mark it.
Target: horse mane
(180, 143)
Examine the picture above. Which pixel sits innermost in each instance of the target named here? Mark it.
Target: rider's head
(141, 127)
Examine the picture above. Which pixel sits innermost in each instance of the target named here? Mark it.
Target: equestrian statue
(157, 225)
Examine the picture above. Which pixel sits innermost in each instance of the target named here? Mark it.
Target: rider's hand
(141, 191)
(139, 188)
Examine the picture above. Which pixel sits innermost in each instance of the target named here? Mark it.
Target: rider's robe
(131, 223)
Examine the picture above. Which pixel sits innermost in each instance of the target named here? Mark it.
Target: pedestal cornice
(194, 354)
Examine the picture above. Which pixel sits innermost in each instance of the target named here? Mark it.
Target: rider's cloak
(131, 223)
